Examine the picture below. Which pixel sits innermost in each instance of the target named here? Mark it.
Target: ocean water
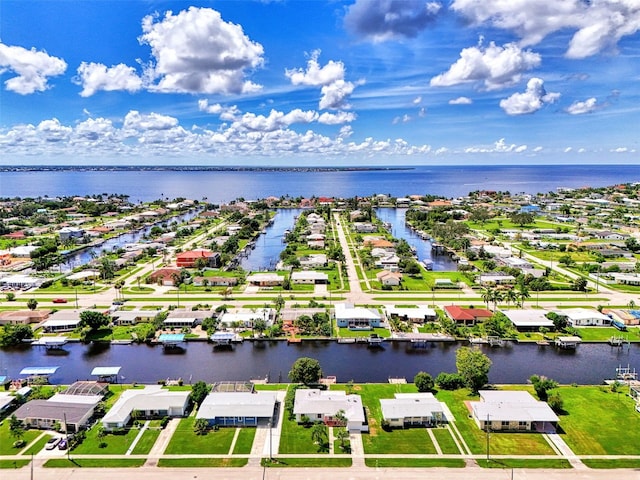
(222, 186)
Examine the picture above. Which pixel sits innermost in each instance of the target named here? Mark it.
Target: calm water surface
(589, 364)
(221, 186)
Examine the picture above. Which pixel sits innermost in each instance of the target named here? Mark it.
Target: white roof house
(584, 317)
(324, 405)
(348, 315)
(511, 410)
(419, 313)
(62, 321)
(412, 409)
(237, 408)
(528, 319)
(309, 276)
(152, 400)
(265, 279)
(247, 317)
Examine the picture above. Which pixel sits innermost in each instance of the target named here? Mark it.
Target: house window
(505, 424)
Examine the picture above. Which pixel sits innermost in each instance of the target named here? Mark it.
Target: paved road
(354, 473)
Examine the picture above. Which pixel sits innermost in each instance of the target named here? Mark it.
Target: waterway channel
(588, 364)
(84, 256)
(266, 253)
(396, 218)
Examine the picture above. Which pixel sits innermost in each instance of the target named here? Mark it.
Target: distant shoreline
(190, 168)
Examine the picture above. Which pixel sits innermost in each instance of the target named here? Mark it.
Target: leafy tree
(580, 285)
(424, 382)
(449, 381)
(279, 303)
(305, 370)
(522, 218)
(14, 334)
(556, 402)
(16, 427)
(200, 426)
(342, 436)
(542, 385)
(473, 366)
(10, 297)
(199, 391)
(259, 325)
(32, 304)
(319, 435)
(107, 268)
(209, 325)
(94, 320)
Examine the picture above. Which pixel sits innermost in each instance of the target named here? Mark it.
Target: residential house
(132, 317)
(467, 316)
(150, 402)
(356, 318)
(389, 263)
(309, 277)
(237, 409)
(324, 405)
(215, 281)
(365, 228)
(245, 317)
(418, 314)
(528, 320)
(496, 278)
(626, 317)
(584, 317)
(69, 234)
(389, 279)
(376, 242)
(315, 240)
(62, 321)
(186, 318)
(512, 411)
(188, 259)
(413, 409)
(314, 260)
(23, 317)
(265, 279)
(164, 276)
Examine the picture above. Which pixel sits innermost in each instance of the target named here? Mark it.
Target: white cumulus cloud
(32, 68)
(461, 101)
(598, 25)
(530, 101)
(330, 77)
(225, 113)
(579, 108)
(196, 51)
(338, 118)
(134, 120)
(96, 76)
(496, 67)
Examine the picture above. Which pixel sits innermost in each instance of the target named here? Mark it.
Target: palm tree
(487, 295)
(511, 296)
(319, 435)
(523, 294)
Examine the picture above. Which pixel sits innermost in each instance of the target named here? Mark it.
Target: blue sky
(298, 83)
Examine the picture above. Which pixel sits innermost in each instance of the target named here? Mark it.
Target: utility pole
(66, 435)
(488, 436)
(270, 442)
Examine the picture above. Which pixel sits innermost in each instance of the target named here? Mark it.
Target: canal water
(396, 218)
(266, 253)
(589, 364)
(83, 257)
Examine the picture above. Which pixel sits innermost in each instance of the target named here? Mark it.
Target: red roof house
(188, 259)
(467, 316)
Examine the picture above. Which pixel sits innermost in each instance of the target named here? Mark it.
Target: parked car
(62, 445)
(59, 300)
(52, 443)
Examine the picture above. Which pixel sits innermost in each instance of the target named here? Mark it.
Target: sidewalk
(161, 443)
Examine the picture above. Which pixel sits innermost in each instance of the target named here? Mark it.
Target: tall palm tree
(523, 294)
(487, 295)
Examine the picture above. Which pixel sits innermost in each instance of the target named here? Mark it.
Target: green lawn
(603, 334)
(306, 462)
(414, 462)
(145, 444)
(13, 463)
(296, 439)
(445, 440)
(244, 442)
(202, 462)
(185, 441)
(500, 443)
(524, 463)
(346, 333)
(94, 463)
(116, 444)
(6, 440)
(35, 447)
(611, 463)
(599, 421)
